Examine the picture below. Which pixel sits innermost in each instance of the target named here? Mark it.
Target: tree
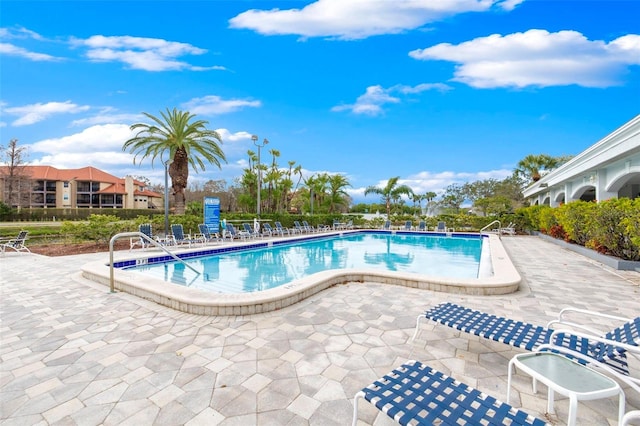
(389, 192)
(17, 182)
(186, 143)
(429, 196)
(530, 167)
(453, 197)
(337, 197)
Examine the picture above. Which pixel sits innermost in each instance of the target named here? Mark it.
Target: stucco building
(87, 187)
(608, 169)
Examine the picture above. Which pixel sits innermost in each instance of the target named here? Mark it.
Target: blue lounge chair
(235, 234)
(308, 227)
(408, 225)
(607, 351)
(16, 244)
(144, 228)
(251, 231)
(415, 393)
(267, 230)
(299, 228)
(442, 227)
(422, 226)
(179, 237)
(206, 236)
(387, 225)
(282, 230)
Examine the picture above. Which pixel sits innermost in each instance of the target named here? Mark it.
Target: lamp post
(166, 196)
(254, 138)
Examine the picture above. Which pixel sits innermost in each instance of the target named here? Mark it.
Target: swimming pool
(497, 276)
(263, 268)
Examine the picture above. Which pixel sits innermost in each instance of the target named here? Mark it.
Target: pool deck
(73, 353)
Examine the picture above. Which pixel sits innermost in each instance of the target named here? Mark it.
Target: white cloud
(108, 115)
(149, 54)
(210, 105)
(423, 182)
(20, 33)
(537, 58)
(103, 160)
(103, 137)
(34, 113)
(12, 50)
(375, 97)
(358, 19)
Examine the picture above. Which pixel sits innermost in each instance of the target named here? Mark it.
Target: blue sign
(212, 213)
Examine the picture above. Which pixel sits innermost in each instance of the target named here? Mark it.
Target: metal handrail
(495, 221)
(148, 239)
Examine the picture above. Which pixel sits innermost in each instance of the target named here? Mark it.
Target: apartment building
(87, 187)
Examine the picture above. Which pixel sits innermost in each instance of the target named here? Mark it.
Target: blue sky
(436, 92)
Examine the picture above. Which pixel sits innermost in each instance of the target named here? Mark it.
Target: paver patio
(72, 353)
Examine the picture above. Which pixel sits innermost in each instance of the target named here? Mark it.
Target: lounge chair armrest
(562, 319)
(591, 313)
(630, 348)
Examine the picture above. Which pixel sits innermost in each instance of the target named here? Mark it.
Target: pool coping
(505, 280)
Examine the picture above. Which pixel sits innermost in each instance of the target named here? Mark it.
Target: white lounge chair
(631, 418)
(206, 236)
(282, 230)
(415, 393)
(607, 351)
(509, 229)
(251, 231)
(16, 244)
(235, 234)
(144, 228)
(179, 237)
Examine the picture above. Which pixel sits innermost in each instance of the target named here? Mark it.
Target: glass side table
(568, 378)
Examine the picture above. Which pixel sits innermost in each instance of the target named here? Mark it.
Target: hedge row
(609, 227)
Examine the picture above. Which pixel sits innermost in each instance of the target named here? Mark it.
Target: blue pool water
(264, 268)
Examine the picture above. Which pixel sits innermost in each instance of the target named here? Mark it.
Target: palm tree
(186, 144)
(429, 196)
(531, 165)
(390, 192)
(337, 195)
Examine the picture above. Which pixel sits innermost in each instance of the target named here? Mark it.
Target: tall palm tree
(337, 195)
(389, 192)
(186, 143)
(531, 165)
(429, 196)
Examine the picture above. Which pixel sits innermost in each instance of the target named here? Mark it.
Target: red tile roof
(85, 174)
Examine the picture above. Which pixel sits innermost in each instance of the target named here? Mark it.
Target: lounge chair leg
(355, 407)
(415, 333)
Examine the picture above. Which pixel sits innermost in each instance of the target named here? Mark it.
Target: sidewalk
(72, 353)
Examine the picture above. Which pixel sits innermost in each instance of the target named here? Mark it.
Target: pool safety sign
(212, 213)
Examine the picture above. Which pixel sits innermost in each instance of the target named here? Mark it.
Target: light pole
(166, 196)
(254, 138)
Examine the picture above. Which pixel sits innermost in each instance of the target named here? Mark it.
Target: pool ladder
(147, 239)
(492, 223)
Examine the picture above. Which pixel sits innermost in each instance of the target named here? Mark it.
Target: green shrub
(547, 220)
(574, 218)
(612, 220)
(99, 228)
(531, 217)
